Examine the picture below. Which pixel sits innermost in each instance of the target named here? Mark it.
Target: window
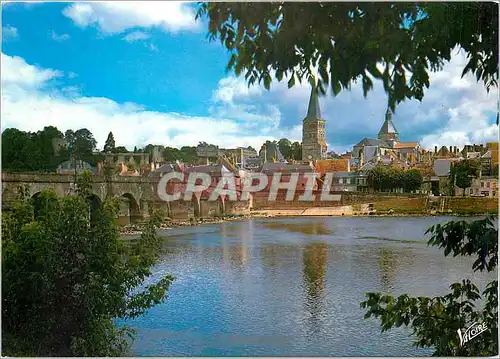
(494, 193)
(341, 180)
(471, 191)
(348, 181)
(487, 185)
(482, 184)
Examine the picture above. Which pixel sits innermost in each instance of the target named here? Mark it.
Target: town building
(314, 145)
(286, 170)
(209, 154)
(386, 148)
(68, 167)
(440, 184)
(344, 181)
(485, 186)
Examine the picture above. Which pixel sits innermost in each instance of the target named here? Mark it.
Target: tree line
(45, 150)
(388, 179)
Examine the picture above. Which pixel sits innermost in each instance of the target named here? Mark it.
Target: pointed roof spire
(313, 111)
(388, 127)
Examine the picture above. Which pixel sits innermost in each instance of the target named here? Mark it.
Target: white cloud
(59, 38)
(454, 111)
(26, 105)
(16, 72)
(117, 16)
(9, 32)
(136, 36)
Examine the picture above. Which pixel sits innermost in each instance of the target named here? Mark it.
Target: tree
(81, 144)
(395, 178)
(435, 321)
(109, 145)
(120, 149)
(66, 276)
(412, 180)
(377, 177)
(27, 151)
(297, 151)
(338, 44)
(285, 147)
(464, 172)
(14, 143)
(188, 154)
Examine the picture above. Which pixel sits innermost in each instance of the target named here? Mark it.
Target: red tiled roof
(406, 145)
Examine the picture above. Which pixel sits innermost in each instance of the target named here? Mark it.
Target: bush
(65, 278)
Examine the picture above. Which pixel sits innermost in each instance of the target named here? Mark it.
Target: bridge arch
(129, 209)
(220, 208)
(196, 203)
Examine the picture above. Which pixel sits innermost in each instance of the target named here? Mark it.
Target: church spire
(313, 111)
(388, 130)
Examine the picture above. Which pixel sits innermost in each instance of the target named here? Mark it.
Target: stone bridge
(137, 195)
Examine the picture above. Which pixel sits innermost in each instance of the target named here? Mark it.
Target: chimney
(435, 150)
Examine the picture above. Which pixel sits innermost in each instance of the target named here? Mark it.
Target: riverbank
(136, 229)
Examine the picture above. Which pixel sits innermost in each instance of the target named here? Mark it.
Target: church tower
(388, 132)
(313, 131)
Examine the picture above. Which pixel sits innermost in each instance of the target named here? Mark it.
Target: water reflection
(236, 241)
(387, 265)
(315, 257)
(312, 227)
(265, 288)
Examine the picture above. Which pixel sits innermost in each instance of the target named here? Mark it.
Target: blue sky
(147, 72)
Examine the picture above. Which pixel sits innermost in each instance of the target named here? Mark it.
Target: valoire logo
(470, 333)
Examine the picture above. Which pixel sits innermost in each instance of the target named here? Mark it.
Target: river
(292, 287)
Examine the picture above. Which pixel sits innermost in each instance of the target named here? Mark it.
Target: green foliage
(66, 276)
(462, 173)
(412, 180)
(383, 178)
(377, 177)
(394, 43)
(285, 147)
(289, 150)
(435, 321)
(120, 149)
(27, 151)
(109, 145)
(81, 144)
(131, 166)
(297, 151)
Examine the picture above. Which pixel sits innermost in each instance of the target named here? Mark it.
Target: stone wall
(465, 205)
(141, 195)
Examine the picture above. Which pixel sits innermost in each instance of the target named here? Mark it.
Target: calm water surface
(292, 287)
